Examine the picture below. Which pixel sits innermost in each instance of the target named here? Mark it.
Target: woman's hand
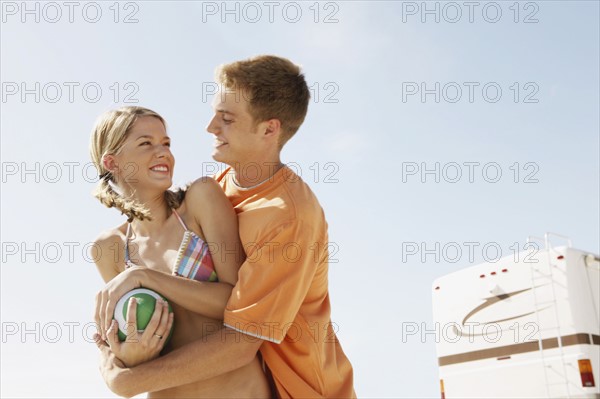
(139, 347)
(107, 298)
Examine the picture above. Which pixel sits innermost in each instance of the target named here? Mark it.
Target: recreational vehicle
(525, 326)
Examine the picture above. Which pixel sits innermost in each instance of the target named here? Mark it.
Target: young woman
(176, 243)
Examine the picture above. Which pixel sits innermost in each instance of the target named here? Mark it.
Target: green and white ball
(146, 302)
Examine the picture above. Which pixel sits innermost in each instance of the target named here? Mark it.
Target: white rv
(526, 326)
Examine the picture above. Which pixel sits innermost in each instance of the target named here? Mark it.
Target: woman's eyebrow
(147, 136)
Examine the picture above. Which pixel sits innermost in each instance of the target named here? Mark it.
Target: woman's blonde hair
(108, 137)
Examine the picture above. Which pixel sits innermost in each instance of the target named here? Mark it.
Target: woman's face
(145, 160)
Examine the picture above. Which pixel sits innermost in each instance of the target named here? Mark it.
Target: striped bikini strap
(180, 220)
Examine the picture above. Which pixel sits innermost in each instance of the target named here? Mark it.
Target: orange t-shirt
(282, 295)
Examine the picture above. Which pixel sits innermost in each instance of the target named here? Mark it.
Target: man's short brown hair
(274, 87)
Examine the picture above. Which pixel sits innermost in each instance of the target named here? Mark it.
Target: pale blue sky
(358, 144)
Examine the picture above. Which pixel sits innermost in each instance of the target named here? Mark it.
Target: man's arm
(208, 357)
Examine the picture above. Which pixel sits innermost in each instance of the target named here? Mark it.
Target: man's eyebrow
(225, 111)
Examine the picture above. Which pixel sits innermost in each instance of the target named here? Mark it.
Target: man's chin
(220, 158)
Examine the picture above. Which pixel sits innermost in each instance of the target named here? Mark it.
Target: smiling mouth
(160, 168)
(219, 144)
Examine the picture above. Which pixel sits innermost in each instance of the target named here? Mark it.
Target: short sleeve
(273, 283)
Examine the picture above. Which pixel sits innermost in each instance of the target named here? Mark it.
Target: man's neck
(252, 174)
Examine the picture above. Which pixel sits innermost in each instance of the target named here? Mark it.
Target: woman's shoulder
(204, 197)
(108, 251)
(202, 190)
(204, 185)
(112, 236)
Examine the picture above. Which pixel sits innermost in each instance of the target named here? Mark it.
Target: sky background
(531, 136)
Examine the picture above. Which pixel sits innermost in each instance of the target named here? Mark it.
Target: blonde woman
(183, 244)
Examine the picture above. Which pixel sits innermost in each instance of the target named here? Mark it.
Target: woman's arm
(216, 217)
(139, 347)
(205, 298)
(105, 257)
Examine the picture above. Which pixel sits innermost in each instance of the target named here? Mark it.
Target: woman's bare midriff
(246, 382)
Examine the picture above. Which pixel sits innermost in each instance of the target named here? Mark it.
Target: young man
(280, 304)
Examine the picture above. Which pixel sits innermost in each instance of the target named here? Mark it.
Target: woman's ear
(110, 163)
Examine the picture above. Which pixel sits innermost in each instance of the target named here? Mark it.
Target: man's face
(236, 135)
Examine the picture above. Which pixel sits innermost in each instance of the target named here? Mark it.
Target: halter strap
(128, 262)
(180, 219)
(127, 234)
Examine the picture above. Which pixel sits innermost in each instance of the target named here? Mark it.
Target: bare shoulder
(106, 252)
(111, 236)
(206, 201)
(204, 189)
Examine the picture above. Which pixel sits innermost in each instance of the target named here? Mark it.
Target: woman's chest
(157, 254)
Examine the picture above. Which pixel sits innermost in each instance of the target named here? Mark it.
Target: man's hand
(111, 368)
(107, 298)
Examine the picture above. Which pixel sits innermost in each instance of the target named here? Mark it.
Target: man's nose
(212, 126)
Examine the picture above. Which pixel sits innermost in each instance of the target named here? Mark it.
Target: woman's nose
(162, 151)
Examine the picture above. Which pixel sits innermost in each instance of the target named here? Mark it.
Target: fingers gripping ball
(146, 302)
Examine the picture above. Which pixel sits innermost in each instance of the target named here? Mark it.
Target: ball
(146, 302)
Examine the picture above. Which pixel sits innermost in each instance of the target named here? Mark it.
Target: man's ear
(272, 128)
(110, 163)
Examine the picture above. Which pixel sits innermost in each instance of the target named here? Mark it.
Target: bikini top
(193, 258)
